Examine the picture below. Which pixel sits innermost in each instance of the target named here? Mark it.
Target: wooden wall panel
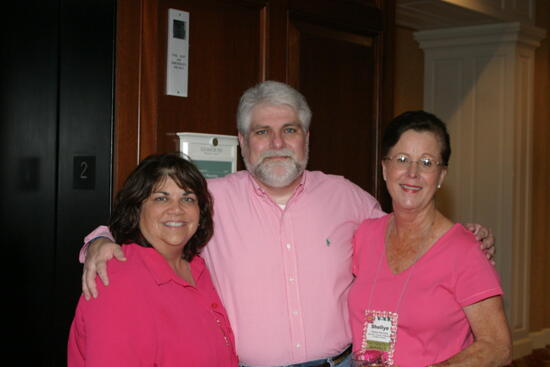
(540, 254)
(127, 89)
(340, 58)
(224, 60)
(341, 95)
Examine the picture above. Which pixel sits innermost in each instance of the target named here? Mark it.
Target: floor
(539, 358)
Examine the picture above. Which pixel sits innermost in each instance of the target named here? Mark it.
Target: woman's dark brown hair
(149, 174)
(418, 121)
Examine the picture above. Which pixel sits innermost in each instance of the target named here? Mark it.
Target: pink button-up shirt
(148, 316)
(284, 274)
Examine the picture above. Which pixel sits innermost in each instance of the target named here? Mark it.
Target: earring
(438, 186)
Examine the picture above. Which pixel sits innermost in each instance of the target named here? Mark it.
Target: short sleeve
(476, 278)
(113, 330)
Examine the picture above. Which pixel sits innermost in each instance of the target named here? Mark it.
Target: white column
(479, 80)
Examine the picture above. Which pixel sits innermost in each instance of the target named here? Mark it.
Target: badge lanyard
(403, 289)
(380, 328)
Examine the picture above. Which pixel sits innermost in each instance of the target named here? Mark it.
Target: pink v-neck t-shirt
(429, 296)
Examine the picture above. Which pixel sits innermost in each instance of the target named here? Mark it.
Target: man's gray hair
(275, 93)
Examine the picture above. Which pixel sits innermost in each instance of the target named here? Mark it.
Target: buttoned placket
(212, 306)
(292, 280)
(217, 316)
(290, 267)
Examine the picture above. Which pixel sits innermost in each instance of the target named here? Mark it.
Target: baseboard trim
(540, 338)
(522, 347)
(535, 340)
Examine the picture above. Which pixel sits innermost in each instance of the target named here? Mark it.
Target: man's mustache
(277, 153)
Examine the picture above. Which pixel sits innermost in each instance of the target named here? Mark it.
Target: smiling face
(413, 188)
(169, 216)
(276, 147)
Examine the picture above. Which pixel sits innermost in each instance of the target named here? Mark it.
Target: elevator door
(55, 158)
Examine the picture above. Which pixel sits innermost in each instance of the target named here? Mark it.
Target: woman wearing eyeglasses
(424, 293)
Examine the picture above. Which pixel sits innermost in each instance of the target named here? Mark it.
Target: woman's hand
(98, 253)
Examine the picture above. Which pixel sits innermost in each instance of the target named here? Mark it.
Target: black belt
(336, 359)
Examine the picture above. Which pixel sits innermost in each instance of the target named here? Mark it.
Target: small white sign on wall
(177, 60)
(214, 155)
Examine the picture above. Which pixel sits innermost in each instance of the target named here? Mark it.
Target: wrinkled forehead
(266, 113)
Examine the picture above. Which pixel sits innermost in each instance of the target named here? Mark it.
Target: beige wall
(408, 95)
(540, 254)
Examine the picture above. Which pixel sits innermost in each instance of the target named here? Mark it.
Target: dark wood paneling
(149, 83)
(128, 89)
(277, 41)
(353, 16)
(217, 75)
(340, 58)
(342, 97)
(384, 76)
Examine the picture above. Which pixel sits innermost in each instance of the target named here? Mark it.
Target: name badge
(379, 336)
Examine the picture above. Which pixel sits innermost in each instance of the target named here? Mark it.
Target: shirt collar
(162, 272)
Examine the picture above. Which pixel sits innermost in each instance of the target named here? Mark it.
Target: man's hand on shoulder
(485, 237)
(98, 253)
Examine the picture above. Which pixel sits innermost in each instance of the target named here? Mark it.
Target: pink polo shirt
(284, 274)
(148, 316)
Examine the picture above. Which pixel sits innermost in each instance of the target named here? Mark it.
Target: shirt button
(295, 313)
(291, 279)
(288, 246)
(298, 345)
(218, 321)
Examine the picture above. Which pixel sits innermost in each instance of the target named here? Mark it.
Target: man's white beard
(280, 172)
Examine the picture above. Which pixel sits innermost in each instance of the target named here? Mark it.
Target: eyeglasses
(401, 161)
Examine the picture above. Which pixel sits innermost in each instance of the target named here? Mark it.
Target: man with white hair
(280, 256)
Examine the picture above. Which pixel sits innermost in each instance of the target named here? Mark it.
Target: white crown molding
(512, 33)
(432, 14)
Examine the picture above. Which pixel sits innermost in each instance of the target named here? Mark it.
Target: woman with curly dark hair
(162, 309)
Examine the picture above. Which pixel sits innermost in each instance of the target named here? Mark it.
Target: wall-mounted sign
(177, 58)
(214, 155)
